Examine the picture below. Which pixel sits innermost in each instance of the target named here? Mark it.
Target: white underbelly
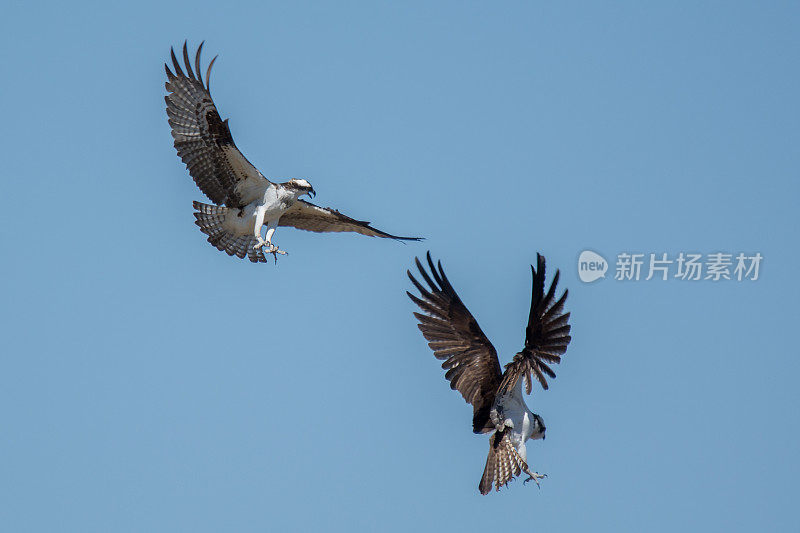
(515, 410)
(245, 224)
(240, 225)
(527, 425)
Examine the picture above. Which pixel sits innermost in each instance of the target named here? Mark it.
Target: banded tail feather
(502, 464)
(209, 218)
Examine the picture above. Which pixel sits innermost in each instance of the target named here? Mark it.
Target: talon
(535, 476)
(261, 243)
(274, 250)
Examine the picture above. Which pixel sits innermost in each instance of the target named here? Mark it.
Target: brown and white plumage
(246, 200)
(211, 219)
(546, 336)
(204, 141)
(474, 370)
(309, 217)
(457, 339)
(503, 463)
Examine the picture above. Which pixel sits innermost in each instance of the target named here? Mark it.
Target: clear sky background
(152, 383)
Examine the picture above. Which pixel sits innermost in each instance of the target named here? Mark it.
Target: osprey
(473, 369)
(246, 200)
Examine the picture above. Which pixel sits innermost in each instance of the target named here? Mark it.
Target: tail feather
(209, 218)
(502, 464)
(225, 244)
(256, 256)
(485, 485)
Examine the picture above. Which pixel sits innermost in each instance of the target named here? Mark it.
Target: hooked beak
(312, 193)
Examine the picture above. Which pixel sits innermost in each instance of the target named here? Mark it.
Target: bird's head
(301, 186)
(538, 427)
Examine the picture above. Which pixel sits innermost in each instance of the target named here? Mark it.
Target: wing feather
(203, 140)
(546, 336)
(456, 338)
(307, 216)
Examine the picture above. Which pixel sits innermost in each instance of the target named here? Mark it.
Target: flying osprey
(246, 200)
(474, 371)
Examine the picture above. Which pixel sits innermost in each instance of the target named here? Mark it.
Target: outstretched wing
(546, 337)
(455, 337)
(203, 140)
(310, 217)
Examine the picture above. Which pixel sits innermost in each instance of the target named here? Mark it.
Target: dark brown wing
(546, 337)
(203, 140)
(310, 217)
(455, 337)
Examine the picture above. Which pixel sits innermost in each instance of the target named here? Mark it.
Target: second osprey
(474, 370)
(248, 201)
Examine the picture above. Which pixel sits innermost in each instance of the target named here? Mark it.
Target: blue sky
(151, 383)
